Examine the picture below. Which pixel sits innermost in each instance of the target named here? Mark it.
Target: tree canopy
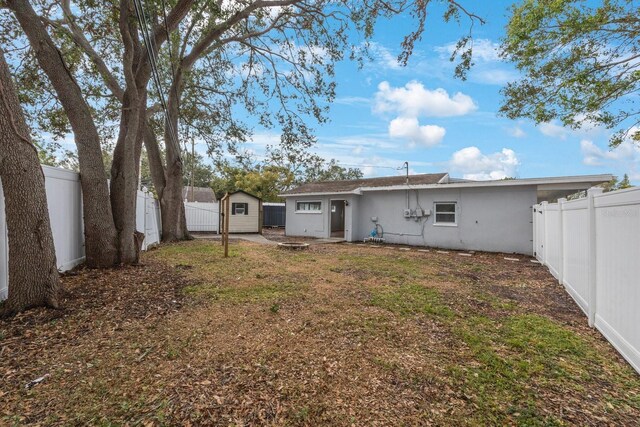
(580, 64)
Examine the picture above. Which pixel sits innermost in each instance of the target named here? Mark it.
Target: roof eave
(357, 192)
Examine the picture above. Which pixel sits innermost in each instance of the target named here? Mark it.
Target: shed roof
(200, 194)
(353, 184)
(244, 192)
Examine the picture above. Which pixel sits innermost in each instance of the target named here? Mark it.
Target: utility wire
(151, 49)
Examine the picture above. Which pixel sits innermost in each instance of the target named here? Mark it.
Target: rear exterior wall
(318, 224)
(494, 219)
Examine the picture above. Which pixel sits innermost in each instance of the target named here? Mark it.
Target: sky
(385, 114)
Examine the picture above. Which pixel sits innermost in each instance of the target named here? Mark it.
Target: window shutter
(246, 208)
(233, 208)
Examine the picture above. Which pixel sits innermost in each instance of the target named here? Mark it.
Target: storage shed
(274, 214)
(245, 212)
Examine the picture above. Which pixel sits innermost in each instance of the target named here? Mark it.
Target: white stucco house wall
(428, 210)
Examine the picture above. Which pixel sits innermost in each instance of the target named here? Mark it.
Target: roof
(244, 192)
(398, 183)
(200, 194)
(347, 186)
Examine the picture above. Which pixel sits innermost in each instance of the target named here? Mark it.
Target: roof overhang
(551, 183)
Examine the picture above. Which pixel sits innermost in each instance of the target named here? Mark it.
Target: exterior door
(337, 218)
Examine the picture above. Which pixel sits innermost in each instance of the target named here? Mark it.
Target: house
(245, 212)
(198, 194)
(428, 210)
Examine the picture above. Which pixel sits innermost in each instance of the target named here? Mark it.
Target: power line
(151, 49)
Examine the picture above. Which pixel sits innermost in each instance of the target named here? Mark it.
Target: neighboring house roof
(430, 181)
(200, 194)
(347, 186)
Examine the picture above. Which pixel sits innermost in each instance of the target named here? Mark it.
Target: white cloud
(493, 76)
(409, 128)
(382, 57)
(483, 50)
(554, 130)
(414, 100)
(516, 132)
(475, 165)
(587, 128)
(352, 100)
(623, 159)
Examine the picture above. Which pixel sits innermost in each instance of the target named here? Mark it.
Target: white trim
(60, 173)
(445, 224)
(71, 264)
(586, 180)
(623, 346)
(319, 211)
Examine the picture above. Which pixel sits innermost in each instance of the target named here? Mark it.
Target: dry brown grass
(336, 335)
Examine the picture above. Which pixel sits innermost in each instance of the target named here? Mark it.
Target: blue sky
(386, 114)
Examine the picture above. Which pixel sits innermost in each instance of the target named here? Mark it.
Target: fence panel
(576, 251)
(552, 239)
(64, 200)
(148, 218)
(202, 216)
(617, 304)
(593, 248)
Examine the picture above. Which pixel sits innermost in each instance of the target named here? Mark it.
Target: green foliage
(195, 166)
(615, 184)
(579, 64)
(231, 60)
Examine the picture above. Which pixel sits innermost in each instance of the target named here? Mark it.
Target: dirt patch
(335, 335)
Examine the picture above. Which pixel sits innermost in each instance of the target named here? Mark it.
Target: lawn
(335, 335)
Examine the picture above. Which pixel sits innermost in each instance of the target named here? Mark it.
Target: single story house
(198, 194)
(245, 213)
(428, 210)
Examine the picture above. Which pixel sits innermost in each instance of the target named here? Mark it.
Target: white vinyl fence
(64, 199)
(202, 216)
(592, 246)
(148, 219)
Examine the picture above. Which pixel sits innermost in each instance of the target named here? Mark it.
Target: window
(308, 207)
(239, 208)
(445, 214)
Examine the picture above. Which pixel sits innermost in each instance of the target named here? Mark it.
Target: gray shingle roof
(350, 185)
(200, 194)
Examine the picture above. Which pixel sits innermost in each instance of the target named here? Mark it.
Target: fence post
(561, 202)
(534, 211)
(592, 239)
(545, 238)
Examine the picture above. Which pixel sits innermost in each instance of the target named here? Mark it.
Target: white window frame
(445, 224)
(235, 212)
(309, 211)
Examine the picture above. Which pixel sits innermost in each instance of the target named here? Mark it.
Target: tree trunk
(124, 181)
(99, 227)
(174, 220)
(33, 276)
(124, 168)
